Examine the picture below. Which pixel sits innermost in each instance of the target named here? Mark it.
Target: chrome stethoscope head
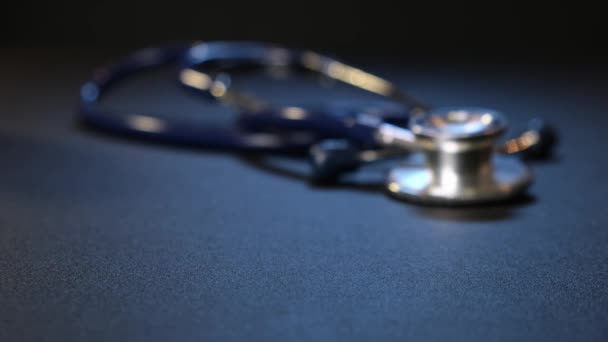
(461, 164)
(453, 156)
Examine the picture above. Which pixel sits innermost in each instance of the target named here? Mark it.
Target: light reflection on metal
(520, 143)
(487, 118)
(145, 123)
(394, 187)
(347, 74)
(359, 78)
(294, 113)
(391, 135)
(218, 89)
(195, 79)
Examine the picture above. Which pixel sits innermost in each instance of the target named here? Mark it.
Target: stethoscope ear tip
(330, 159)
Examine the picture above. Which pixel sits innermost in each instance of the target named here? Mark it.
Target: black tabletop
(103, 238)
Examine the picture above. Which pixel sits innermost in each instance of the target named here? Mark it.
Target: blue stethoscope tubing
(260, 127)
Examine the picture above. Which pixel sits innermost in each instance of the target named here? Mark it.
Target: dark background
(104, 238)
(490, 30)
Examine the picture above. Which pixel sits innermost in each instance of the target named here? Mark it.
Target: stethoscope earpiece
(330, 159)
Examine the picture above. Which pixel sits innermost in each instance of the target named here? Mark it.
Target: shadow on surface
(295, 168)
(486, 212)
(370, 179)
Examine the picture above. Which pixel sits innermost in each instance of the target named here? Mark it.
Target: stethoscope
(462, 162)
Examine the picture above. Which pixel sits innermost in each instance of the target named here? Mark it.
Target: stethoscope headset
(463, 163)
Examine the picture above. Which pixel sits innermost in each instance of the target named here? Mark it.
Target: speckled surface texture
(108, 239)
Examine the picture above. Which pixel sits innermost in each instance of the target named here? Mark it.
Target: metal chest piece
(461, 164)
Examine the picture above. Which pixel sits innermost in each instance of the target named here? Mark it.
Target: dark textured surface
(107, 239)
